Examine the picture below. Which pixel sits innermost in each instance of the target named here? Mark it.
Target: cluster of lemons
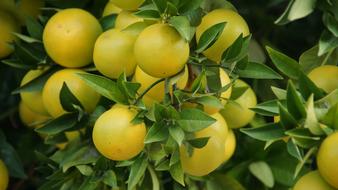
(326, 177)
(147, 50)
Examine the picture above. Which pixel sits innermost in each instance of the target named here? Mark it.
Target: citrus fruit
(125, 19)
(327, 159)
(122, 60)
(160, 51)
(234, 27)
(128, 4)
(33, 99)
(4, 177)
(115, 136)
(325, 77)
(237, 112)
(110, 8)
(230, 145)
(69, 37)
(31, 118)
(312, 181)
(206, 159)
(8, 25)
(51, 91)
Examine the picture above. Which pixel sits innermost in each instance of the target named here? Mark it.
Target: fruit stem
(147, 90)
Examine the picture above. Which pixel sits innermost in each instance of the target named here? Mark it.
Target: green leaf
(148, 14)
(85, 170)
(68, 99)
(286, 119)
(182, 25)
(177, 134)
(331, 23)
(258, 71)
(294, 150)
(302, 133)
(26, 39)
(331, 118)
(36, 84)
(137, 171)
(262, 171)
(296, 9)
(175, 157)
(268, 108)
(157, 132)
(194, 120)
(294, 102)
(30, 54)
(84, 155)
(311, 121)
(194, 16)
(237, 51)
(270, 131)
(209, 37)
(238, 92)
(163, 112)
(154, 179)
(327, 42)
(105, 87)
(285, 64)
(109, 178)
(16, 63)
(211, 101)
(108, 22)
(35, 29)
(197, 84)
(161, 5)
(328, 101)
(12, 160)
(171, 9)
(308, 87)
(129, 89)
(189, 5)
(310, 59)
(176, 173)
(163, 166)
(279, 93)
(59, 124)
(199, 142)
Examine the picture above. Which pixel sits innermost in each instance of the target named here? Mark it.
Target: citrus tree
(169, 94)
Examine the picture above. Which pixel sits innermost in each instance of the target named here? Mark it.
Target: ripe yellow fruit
(128, 4)
(325, 77)
(230, 145)
(327, 159)
(235, 26)
(160, 51)
(206, 159)
(121, 60)
(312, 181)
(125, 19)
(157, 92)
(8, 25)
(110, 8)
(69, 37)
(4, 177)
(33, 99)
(115, 137)
(51, 91)
(31, 118)
(237, 113)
